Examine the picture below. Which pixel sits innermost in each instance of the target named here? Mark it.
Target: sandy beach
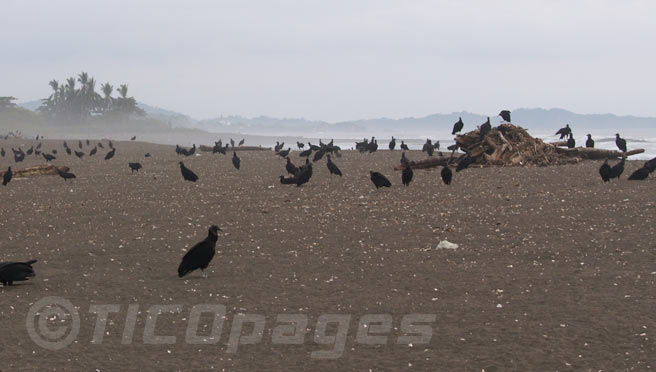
(555, 271)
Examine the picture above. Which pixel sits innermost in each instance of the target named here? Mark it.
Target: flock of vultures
(201, 254)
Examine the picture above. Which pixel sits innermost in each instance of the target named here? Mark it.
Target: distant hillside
(537, 120)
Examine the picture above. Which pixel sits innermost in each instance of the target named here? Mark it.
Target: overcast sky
(338, 60)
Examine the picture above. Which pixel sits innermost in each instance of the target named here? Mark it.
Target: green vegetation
(70, 104)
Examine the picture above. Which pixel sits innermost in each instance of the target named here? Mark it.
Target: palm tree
(107, 90)
(123, 91)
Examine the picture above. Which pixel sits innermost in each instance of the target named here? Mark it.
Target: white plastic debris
(444, 244)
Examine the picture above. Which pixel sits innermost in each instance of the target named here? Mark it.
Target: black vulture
(2, 152)
(640, 174)
(300, 145)
(54, 151)
(447, 175)
(79, 154)
(135, 167)
(201, 254)
(48, 157)
(192, 150)
(373, 145)
(65, 175)
(131, 139)
(101, 145)
(437, 145)
(30, 150)
(571, 143)
(485, 128)
(11, 272)
(232, 143)
(304, 174)
(306, 153)
(147, 155)
(430, 149)
(110, 144)
(88, 143)
(392, 144)
(241, 142)
(311, 146)
(589, 143)
(564, 132)
(291, 168)
(379, 180)
(404, 160)
(110, 154)
(505, 115)
(406, 176)
(404, 147)
(93, 151)
(604, 171)
(617, 169)
(464, 163)
(79, 143)
(284, 153)
(457, 127)
(68, 150)
(288, 180)
(620, 142)
(38, 146)
(651, 165)
(187, 173)
(332, 167)
(7, 177)
(235, 160)
(318, 155)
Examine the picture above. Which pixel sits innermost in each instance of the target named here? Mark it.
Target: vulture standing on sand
(379, 180)
(620, 142)
(133, 138)
(392, 144)
(135, 167)
(290, 167)
(48, 157)
(68, 150)
(640, 174)
(93, 151)
(617, 169)
(505, 115)
(235, 160)
(604, 171)
(571, 143)
(332, 167)
(2, 152)
(404, 147)
(404, 160)
(11, 272)
(304, 174)
(7, 177)
(446, 174)
(110, 154)
(589, 143)
(241, 142)
(79, 154)
(201, 254)
(651, 165)
(406, 176)
(457, 127)
(65, 175)
(284, 153)
(187, 173)
(300, 145)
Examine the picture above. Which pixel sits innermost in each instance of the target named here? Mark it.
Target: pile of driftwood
(37, 170)
(511, 145)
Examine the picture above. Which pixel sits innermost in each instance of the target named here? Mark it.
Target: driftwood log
(511, 145)
(37, 170)
(238, 148)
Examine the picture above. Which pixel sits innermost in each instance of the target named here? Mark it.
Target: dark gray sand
(555, 270)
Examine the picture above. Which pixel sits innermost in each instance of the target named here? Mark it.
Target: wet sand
(555, 271)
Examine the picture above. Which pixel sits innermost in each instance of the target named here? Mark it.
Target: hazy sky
(339, 60)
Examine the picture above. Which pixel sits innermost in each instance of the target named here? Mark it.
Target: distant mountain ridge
(537, 120)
